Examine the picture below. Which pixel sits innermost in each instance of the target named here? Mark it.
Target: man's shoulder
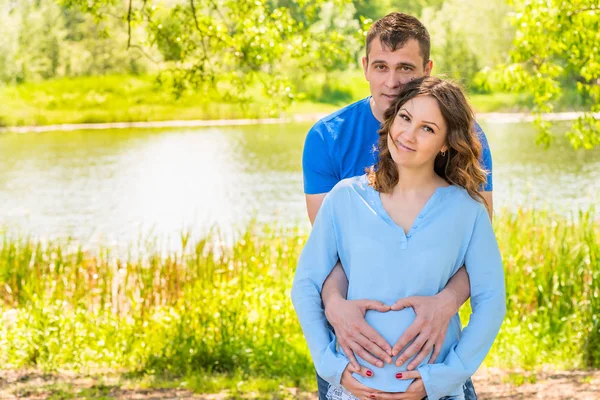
(335, 120)
(356, 107)
(480, 134)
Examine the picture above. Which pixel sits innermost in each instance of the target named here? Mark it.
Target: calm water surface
(116, 186)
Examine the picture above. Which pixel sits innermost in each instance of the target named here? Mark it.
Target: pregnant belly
(390, 325)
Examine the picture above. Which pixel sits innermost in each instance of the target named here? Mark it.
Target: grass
(111, 385)
(108, 99)
(139, 98)
(224, 312)
(500, 102)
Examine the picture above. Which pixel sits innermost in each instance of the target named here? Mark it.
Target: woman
(404, 229)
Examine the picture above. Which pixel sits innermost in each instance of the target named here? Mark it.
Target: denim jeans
(324, 387)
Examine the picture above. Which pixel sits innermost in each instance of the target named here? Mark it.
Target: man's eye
(380, 67)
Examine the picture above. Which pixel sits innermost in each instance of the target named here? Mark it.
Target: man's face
(387, 71)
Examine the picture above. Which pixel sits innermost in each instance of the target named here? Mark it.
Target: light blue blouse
(383, 263)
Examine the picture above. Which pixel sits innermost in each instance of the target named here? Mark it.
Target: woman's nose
(409, 133)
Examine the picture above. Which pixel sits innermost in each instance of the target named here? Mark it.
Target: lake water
(115, 186)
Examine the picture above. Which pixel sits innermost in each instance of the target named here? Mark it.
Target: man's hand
(355, 387)
(428, 329)
(354, 335)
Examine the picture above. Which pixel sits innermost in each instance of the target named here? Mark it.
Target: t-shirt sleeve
(488, 302)
(486, 158)
(317, 167)
(319, 256)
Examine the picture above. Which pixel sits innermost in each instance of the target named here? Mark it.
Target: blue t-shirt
(344, 143)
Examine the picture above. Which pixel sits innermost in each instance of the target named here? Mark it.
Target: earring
(443, 153)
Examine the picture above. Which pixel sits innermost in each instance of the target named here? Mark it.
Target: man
(340, 146)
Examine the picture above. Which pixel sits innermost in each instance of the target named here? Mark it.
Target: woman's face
(418, 133)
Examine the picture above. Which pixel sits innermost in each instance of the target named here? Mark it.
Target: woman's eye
(404, 117)
(428, 129)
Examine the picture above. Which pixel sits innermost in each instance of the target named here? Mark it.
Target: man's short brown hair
(395, 29)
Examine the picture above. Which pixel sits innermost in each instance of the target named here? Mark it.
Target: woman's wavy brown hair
(460, 165)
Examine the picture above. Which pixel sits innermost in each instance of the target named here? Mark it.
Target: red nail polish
(399, 375)
(369, 373)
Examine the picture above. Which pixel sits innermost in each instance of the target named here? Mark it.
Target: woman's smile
(404, 147)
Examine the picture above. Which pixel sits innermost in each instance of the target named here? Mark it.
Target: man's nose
(393, 80)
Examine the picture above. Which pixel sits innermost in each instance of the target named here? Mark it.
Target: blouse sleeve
(318, 258)
(488, 302)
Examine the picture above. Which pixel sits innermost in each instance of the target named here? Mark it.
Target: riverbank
(131, 99)
(505, 118)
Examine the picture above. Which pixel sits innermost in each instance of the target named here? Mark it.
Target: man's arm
(313, 204)
(487, 195)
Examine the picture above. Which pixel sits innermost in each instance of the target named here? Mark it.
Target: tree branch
(585, 10)
(204, 49)
(193, 6)
(129, 24)
(144, 53)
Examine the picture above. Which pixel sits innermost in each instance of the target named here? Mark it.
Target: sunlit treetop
(237, 46)
(557, 42)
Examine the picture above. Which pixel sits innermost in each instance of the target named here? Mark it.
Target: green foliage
(212, 309)
(30, 27)
(467, 36)
(557, 41)
(40, 40)
(371, 9)
(225, 309)
(416, 7)
(553, 285)
(232, 45)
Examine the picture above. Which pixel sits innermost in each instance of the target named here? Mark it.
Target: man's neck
(376, 112)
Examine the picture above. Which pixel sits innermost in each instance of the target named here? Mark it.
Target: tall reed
(219, 308)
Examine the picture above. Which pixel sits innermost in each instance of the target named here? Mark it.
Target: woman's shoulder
(466, 202)
(348, 190)
(356, 184)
